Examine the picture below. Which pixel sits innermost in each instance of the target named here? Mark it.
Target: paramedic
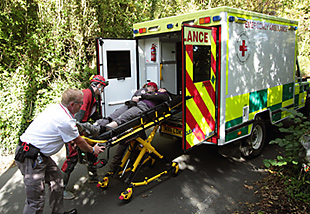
(87, 111)
(142, 100)
(44, 137)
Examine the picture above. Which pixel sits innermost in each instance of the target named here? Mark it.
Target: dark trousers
(72, 159)
(35, 179)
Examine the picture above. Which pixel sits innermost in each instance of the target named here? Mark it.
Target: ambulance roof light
(142, 30)
(240, 20)
(169, 26)
(237, 19)
(292, 28)
(135, 31)
(231, 18)
(216, 18)
(204, 20)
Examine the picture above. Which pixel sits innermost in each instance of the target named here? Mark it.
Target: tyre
(253, 145)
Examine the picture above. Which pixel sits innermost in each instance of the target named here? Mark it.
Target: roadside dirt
(273, 198)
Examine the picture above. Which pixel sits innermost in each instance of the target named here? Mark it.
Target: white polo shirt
(51, 129)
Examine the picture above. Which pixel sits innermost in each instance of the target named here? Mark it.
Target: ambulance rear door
(116, 62)
(199, 84)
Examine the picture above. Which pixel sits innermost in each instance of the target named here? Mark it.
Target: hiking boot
(68, 195)
(93, 130)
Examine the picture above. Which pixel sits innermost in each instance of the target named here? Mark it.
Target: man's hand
(136, 98)
(98, 149)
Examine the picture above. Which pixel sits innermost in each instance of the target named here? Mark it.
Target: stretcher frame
(133, 136)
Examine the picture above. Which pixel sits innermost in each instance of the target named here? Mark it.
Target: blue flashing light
(169, 26)
(241, 20)
(292, 28)
(135, 31)
(216, 18)
(231, 19)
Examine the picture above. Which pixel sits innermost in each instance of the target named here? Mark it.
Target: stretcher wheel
(175, 169)
(104, 183)
(126, 195)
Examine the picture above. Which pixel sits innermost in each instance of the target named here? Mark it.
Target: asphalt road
(208, 182)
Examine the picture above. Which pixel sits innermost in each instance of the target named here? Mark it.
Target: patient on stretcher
(142, 100)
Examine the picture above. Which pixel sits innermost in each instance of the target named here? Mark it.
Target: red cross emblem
(243, 48)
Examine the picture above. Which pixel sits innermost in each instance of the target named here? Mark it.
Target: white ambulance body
(235, 70)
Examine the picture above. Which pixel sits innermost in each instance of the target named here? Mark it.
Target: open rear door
(116, 62)
(199, 84)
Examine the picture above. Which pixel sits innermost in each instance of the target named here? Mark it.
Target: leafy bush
(291, 166)
(47, 46)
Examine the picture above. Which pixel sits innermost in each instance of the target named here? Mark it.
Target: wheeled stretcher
(140, 149)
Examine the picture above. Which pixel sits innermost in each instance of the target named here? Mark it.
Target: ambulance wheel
(254, 144)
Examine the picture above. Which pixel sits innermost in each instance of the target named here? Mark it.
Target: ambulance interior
(167, 69)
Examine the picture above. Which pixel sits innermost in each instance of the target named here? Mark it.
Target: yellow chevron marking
(190, 137)
(213, 52)
(206, 98)
(189, 66)
(199, 118)
(213, 47)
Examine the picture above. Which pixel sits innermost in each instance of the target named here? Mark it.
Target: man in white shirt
(44, 137)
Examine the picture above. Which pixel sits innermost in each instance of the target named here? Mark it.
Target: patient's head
(152, 86)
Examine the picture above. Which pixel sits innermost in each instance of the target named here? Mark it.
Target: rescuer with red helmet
(89, 107)
(87, 111)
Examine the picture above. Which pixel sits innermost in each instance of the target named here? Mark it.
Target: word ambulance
(235, 69)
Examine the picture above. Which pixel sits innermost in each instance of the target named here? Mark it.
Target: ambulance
(236, 70)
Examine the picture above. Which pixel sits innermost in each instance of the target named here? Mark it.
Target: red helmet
(100, 79)
(153, 84)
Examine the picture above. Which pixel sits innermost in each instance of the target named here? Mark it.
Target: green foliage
(297, 186)
(291, 165)
(47, 46)
(294, 151)
(299, 10)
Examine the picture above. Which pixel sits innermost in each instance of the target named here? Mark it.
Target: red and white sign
(243, 49)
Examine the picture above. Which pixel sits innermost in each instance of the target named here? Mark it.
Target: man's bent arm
(82, 144)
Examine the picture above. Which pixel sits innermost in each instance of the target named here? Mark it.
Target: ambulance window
(118, 63)
(202, 62)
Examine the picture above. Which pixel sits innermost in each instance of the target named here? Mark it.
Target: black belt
(21, 144)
